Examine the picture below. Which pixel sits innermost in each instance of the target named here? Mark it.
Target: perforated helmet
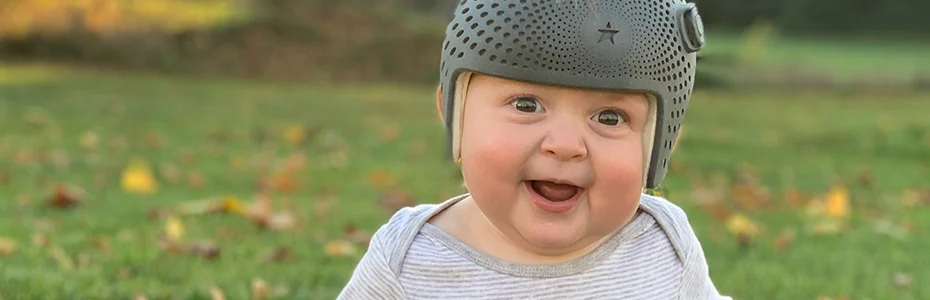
(631, 45)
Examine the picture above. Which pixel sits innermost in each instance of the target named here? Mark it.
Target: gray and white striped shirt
(656, 256)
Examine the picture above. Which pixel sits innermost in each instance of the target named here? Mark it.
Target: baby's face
(554, 169)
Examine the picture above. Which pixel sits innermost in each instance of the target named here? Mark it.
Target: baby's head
(562, 111)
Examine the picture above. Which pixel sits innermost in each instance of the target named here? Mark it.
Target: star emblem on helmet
(607, 34)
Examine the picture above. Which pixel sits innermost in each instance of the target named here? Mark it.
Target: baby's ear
(439, 102)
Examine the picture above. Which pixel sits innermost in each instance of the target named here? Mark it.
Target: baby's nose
(564, 143)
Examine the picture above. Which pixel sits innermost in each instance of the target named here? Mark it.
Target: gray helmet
(632, 45)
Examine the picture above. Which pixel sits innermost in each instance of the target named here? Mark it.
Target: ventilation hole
(468, 19)
(489, 22)
(497, 28)
(488, 40)
(460, 54)
(493, 57)
(507, 20)
(498, 45)
(509, 50)
(464, 10)
(494, 5)
(459, 34)
(455, 26)
(474, 25)
(506, 35)
(514, 64)
(452, 51)
(446, 46)
(504, 61)
(481, 52)
(515, 27)
(511, 5)
(480, 6)
(465, 41)
(480, 32)
(473, 45)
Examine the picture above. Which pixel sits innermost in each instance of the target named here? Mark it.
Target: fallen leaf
(60, 159)
(216, 293)
(910, 198)
(259, 289)
(170, 172)
(90, 140)
(748, 196)
(837, 202)
(360, 237)
(282, 221)
(101, 243)
(206, 250)
(153, 140)
(784, 240)
(380, 179)
(40, 239)
(174, 229)
(294, 134)
(828, 227)
(902, 280)
(743, 229)
(140, 297)
(866, 178)
(24, 157)
(340, 248)
(195, 180)
(137, 177)
(7, 246)
(394, 199)
(280, 254)
(794, 198)
(389, 132)
(64, 261)
(65, 197)
(887, 227)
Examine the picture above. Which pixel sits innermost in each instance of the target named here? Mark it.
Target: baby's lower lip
(552, 206)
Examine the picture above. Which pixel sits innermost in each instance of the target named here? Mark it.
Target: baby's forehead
(507, 85)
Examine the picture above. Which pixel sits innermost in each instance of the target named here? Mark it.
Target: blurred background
(247, 149)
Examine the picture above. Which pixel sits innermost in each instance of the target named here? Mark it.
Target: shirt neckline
(641, 222)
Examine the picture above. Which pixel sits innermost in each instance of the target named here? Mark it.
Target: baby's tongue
(554, 191)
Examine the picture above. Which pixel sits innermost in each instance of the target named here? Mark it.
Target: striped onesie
(656, 256)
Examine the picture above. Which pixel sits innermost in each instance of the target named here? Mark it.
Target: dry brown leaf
(40, 239)
(389, 132)
(259, 289)
(784, 240)
(24, 157)
(7, 246)
(170, 172)
(340, 248)
(216, 293)
(140, 296)
(65, 197)
(380, 178)
(794, 198)
(101, 243)
(865, 178)
(206, 250)
(195, 180)
(280, 254)
(394, 199)
(360, 237)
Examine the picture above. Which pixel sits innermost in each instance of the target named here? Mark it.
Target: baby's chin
(556, 236)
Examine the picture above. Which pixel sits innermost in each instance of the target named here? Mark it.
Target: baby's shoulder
(394, 237)
(673, 220)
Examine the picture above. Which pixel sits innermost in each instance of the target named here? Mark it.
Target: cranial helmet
(643, 46)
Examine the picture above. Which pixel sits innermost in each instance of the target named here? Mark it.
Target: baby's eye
(526, 104)
(609, 117)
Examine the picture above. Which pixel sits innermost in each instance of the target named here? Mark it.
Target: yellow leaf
(90, 140)
(259, 289)
(294, 134)
(837, 202)
(738, 224)
(234, 205)
(380, 178)
(174, 229)
(138, 178)
(910, 198)
(340, 248)
(7, 246)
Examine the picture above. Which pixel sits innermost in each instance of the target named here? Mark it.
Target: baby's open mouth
(554, 192)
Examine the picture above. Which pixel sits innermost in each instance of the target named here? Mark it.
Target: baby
(560, 113)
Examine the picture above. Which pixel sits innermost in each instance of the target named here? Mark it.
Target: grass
(841, 59)
(806, 141)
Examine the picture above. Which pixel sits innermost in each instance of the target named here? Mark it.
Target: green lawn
(226, 131)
